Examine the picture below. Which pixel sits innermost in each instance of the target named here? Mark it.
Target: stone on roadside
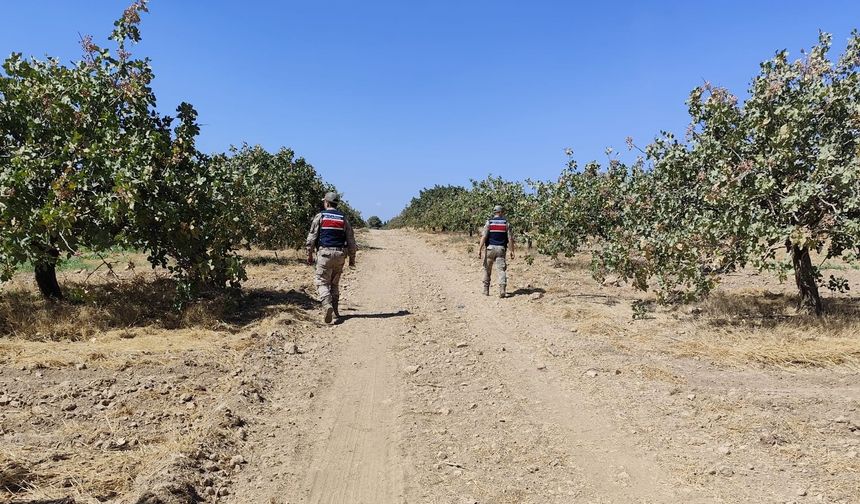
(726, 471)
(462, 344)
(292, 348)
(591, 373)
(412, 369)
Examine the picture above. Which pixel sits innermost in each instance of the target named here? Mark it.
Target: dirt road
(433, 393)
(438, 395)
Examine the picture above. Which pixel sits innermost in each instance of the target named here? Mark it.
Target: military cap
(332, 197)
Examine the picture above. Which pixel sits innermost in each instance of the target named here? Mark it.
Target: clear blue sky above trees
(386, 97)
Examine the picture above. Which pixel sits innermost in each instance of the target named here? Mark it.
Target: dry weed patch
(15, 473)
(136, 303)
(760, 326)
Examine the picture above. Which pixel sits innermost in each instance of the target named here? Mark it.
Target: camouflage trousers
(496, 255)
(327, 277)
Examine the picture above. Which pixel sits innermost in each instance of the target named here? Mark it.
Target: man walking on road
(332, 238)
(496, 239)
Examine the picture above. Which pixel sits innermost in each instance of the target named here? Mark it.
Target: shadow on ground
(401, 313)
(271, 260)
(256, 304)
(527, 291)
(768, 309)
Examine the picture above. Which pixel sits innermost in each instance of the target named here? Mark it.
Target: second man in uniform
(333, 240)
(496, 239)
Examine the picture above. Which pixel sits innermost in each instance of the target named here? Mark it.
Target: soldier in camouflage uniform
(495, 241)
(333, 240)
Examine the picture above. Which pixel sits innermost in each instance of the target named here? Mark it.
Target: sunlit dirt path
(436, 396)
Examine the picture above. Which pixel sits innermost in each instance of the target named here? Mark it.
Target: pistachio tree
(768, 182)
(511, 195)
(785, 164)
(581, 205)
(75, 142)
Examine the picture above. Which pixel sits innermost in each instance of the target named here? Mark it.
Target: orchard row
(88, 163)
(768, 182)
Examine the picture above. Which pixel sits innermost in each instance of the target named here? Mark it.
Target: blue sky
(387, 97)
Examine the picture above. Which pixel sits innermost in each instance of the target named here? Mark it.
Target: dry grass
(135, 303)
(112, 350)
(15, 474)
(786, 346)
(103, 474)
(761, 326)
(90, 310)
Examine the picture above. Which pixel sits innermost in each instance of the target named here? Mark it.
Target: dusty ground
(119, 399)
(429, 392)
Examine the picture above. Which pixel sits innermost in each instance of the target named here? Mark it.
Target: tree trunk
(46, 276)
(804, 275)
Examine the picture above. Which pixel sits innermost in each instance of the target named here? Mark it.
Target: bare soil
(429, 392)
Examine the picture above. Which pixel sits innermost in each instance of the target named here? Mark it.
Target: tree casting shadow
(256, 304)
(138, 303)
(274, 261)
(772, 310)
